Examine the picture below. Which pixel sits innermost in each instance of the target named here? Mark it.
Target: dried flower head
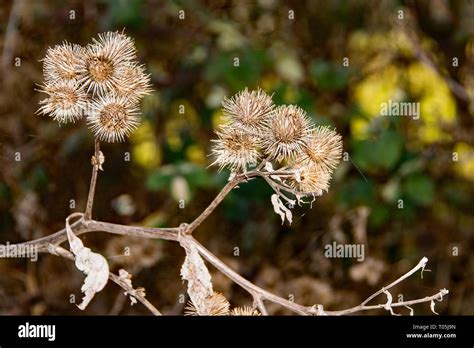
(63, 62)
(106, 61)
(287, 132)
(248, 109)
(66, 101)
(244, 311)
(325, 149)
(134, 83)
(112, 118)
(216, 305)
(235, 149)
(310, 179)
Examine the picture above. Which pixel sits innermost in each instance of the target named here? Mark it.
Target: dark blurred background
(427, 163)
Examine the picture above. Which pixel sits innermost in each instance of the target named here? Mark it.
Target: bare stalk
(96, 165)
(210, 208)
(83, 225)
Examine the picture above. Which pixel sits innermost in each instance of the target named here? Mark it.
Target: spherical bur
(235, 149)
(287, 132)
(215, 305)
(63, 62)
(310, 179)
(248, 109)
(116, 46)
(66, 100)
(134, 83)
(106, 61)
(113, 118)
(325, 149)
(244, 311)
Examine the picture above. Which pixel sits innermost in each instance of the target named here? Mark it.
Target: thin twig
(227, 188)
(184, 231)
(96, 165)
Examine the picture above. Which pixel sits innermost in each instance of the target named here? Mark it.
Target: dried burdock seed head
(325, 149)
(66, 101)
(216, 305)
(287, 132)
(310, 179)
(63, 62)
(235, 149)
(134, 83)
(244, 311)
(105, 62)
(248, 109)
(113, 118)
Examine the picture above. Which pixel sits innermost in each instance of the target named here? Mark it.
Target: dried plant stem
(210, 208)
(257, 293)
(59, 251)
(84, 225)
(421, 265)
(363, 306)
(95, 170)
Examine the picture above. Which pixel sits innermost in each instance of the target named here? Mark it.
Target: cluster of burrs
(256, 130)
(102, 81)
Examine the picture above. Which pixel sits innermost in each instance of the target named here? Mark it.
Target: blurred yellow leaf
(378, 88)
(464, 165)
(196, 154)
(146, 154)
(145, 151)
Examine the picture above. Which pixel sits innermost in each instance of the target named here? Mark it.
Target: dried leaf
(132, 293)
(388, 305)
(281, 210)
(92, 264)
(432, 306)
(99, 160)
(199, 279)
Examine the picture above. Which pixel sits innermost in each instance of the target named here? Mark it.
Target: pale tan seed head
(235, 149)
(62, 62)
(66, 100)
(287, 132)
(310, 179)
(113, 118)
(106, 61)
(134, 82)
(216, 305)
(244, 311)
(248, 109)
(324, 150)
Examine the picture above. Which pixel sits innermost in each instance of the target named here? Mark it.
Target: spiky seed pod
(134, 82)
(66, 102)
(248, 109)
(325, 149)
(62, 62)
(216, 305)
(310, 179)
(235, 149)
(106, 61)
(244, 311)
(112, 118)
(287, 132)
